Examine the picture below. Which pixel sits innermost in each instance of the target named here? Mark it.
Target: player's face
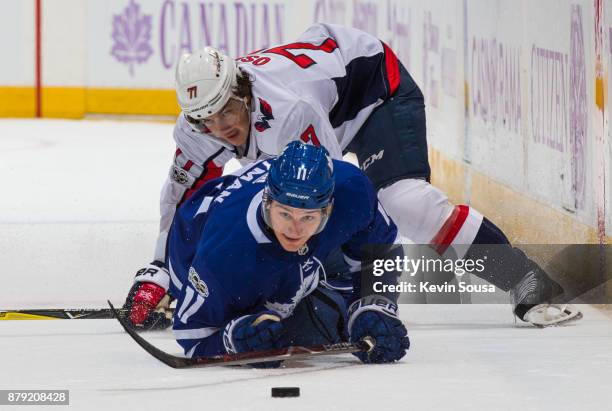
(231, 123)
(293, 227)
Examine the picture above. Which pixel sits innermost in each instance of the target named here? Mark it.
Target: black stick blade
(170, 360)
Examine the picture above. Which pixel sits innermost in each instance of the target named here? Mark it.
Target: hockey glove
(254, 333)
(148, 302)
(376, 317)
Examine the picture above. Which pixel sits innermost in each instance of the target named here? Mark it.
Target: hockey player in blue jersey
(245, 253)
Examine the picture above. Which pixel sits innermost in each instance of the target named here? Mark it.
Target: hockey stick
(61, 314)
(58, 314)
(247, 357)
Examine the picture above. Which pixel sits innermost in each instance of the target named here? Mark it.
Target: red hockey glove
(148, 301)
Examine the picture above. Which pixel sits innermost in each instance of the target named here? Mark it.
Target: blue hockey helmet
(301, 177)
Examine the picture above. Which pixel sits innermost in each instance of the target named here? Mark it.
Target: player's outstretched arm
(376, 317)
(254, 332)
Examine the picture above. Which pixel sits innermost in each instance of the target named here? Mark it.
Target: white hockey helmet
(204, 82)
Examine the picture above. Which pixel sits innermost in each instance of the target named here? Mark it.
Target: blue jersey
(225, 263)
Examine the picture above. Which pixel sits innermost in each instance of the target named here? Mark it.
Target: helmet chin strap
(248, 108)
(325, 213)
(245, 101)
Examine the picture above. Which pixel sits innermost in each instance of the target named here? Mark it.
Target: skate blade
(563, 321)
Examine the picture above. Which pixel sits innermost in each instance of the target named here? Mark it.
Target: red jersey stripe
(451, 227)
(393, 72)
(211, 171)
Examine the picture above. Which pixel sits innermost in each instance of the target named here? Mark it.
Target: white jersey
(319, 89)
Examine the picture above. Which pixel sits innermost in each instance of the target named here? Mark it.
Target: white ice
(78, 216)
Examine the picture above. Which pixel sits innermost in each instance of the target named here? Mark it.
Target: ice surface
(73, 239)
(462, 357)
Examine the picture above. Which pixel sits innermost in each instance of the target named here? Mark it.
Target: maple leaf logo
(266, 114)
(306, 287)
(132, 34)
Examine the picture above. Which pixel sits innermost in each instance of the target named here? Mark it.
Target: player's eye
(285, 215)
(307, 219)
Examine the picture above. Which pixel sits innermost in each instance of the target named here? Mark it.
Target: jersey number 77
(302, 60)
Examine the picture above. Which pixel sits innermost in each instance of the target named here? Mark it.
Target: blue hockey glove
(377, 317)
(254, 333)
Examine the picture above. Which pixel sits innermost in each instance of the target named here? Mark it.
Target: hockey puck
(282, 392)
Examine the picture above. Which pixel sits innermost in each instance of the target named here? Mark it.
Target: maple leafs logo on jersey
(308, 284)
(266, 114)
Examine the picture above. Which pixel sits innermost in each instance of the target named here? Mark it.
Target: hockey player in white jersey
(343, 89)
